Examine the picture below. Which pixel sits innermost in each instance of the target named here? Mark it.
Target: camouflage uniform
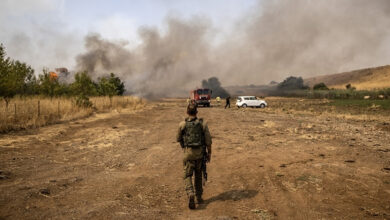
(192, 160)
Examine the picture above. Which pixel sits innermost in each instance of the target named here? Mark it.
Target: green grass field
(383, 104)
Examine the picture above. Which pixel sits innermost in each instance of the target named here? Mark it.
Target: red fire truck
(201, 96)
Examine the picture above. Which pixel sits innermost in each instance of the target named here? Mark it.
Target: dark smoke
(276, 39)
(162, 66)
(214, 84)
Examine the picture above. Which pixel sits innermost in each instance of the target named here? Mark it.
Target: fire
(53, 75)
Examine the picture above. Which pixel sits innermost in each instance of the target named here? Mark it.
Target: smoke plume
(277, 39)
(214, 84)
(163, 65)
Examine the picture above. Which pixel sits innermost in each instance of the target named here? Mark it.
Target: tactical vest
(193, 133)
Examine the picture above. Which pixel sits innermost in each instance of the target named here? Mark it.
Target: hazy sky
(170, 44)
(34, 31)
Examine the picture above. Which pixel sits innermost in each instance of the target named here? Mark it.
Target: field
(33, 112)
(297, 159)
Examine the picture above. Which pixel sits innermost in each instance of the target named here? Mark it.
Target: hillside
(369, 78)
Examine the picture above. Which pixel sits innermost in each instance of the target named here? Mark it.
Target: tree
(83, 87)
(110, 86)
(350, 87)
(106, 88)
(48, 85)
(320, 86)
(118, 84)
(292, 83)
(15, 76)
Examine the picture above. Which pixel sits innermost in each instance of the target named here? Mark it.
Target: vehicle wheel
(262, 105)
(244, 106)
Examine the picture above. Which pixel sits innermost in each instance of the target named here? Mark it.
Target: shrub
(320, 86)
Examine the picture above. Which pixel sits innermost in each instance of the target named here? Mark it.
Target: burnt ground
(283, 162)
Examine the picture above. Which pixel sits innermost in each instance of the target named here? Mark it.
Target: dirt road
(266, 164)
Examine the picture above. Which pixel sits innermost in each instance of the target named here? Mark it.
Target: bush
(83, 85)
(110, 86)
(320, 86)
(350, 87)
(83, 101)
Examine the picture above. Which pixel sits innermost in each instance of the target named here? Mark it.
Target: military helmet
(192, 109)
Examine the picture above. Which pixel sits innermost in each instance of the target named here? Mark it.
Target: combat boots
(199, 199)
(191, 202)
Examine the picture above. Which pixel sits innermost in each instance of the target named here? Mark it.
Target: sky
(34, 31)
(158, 46)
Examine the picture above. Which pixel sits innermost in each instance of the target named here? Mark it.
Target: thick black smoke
(214, 84)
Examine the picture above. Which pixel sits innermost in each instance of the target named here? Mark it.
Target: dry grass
(363, 79)
(32, 112)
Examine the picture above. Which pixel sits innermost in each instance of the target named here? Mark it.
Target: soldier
(194, 138)
(227, 102)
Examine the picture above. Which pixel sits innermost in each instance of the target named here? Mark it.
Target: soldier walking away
(195, 139)
(227, 102)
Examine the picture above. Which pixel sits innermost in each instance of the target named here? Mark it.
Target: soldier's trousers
(193, 167)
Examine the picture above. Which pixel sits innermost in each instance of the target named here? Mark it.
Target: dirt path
(266, 165)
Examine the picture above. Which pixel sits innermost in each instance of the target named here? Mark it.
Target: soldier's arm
(179, 135)
(207, 136)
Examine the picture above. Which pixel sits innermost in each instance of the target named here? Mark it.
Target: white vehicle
(250, 101)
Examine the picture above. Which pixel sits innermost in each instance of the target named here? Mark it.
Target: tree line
(18, 78)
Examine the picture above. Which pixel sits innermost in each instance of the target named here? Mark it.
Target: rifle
(204, 167)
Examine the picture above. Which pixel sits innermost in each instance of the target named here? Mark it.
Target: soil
(267, 163)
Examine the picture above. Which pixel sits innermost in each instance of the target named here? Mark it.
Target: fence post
(15, 112)
(39, 108)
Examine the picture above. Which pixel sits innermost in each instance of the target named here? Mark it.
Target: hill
(369, 78)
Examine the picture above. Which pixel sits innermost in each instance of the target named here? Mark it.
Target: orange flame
(53, 75)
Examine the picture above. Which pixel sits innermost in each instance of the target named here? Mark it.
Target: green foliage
(292, 83)
(339, 94)
(83, 85)
(320, 86)
(350, 87)
(110, 86)
(48, 86)
(384, 104)
(15, 77)
(119, 85)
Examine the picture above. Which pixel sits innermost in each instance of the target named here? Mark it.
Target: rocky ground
(297, 159)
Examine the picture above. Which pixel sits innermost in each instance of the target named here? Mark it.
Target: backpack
(193, 133)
